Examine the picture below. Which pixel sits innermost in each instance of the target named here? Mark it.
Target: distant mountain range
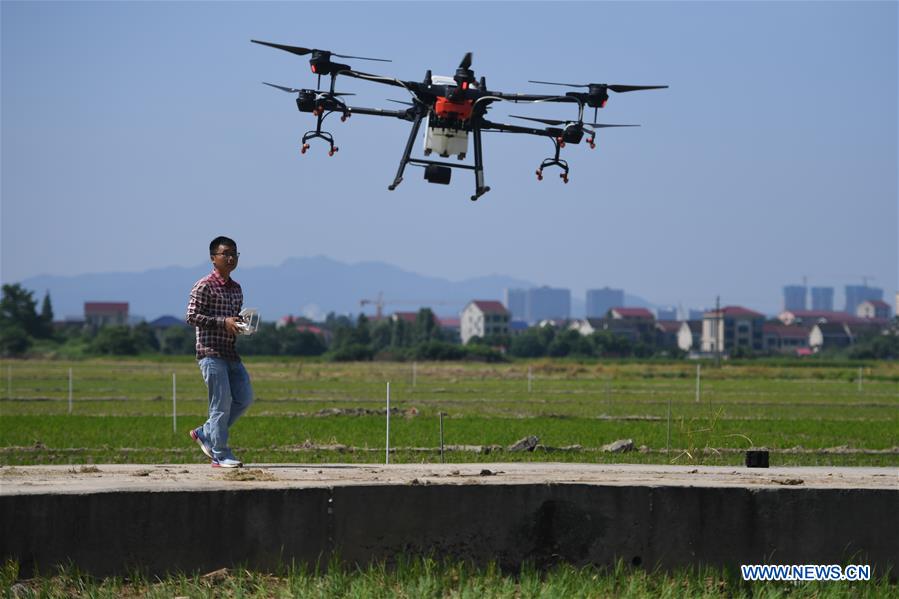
(310, 286)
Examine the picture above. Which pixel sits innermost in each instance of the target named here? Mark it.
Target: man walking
(214, 309)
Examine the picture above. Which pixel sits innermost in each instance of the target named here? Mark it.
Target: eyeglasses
(234, 255)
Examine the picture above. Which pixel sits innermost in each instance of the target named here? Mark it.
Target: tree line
(25, 330)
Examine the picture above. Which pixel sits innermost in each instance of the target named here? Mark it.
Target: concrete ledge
(114, 533)
(647, 516)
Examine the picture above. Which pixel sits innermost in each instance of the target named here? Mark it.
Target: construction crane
(380, 302)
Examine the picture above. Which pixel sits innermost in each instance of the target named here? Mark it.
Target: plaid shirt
(213, 299)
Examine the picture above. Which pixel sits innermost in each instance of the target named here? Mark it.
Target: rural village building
(689, 336)
(730, 328)
(830, 335)
(667, 332)
(634, 324)
(809, 318)
(784, 339)
(101, 314)
(623, 313)
(481, 318)
(874, 309)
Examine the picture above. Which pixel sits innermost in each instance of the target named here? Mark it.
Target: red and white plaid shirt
(213, 299)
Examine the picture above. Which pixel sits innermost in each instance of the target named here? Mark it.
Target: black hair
(221, 240)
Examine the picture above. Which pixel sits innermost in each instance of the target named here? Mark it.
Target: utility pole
(717, 331)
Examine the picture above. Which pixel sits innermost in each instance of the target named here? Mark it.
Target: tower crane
(380, 302)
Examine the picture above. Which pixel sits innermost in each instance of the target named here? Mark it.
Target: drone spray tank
(445, 131)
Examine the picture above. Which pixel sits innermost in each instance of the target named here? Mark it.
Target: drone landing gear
(479, 187)
(554, 161)
(479, 192)
(407, 151)
(441, 172)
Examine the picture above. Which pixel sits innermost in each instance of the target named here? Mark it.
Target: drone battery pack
(434, 173)
(446, 142)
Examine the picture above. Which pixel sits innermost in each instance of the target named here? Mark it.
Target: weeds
(423, 577)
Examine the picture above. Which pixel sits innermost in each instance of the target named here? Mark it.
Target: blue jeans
(230, 394)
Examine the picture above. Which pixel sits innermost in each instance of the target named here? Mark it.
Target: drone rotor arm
(553, 83)
(488, 100)
(399, 114)
(509, 128)
(420, 92)
(374, 78)
(603, 126)
(534, 98)
(545, 121)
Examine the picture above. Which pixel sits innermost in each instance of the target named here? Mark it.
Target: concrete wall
(108, 533)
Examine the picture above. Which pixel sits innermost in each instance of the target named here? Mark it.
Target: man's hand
(231, 325)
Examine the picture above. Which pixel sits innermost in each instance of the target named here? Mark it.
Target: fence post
(530, 378)
(174, 406)
(70, 390)
(442, 459)
(668, 435)
(698, 380)
(387, 446)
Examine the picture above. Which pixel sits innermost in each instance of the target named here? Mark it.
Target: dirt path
(102, 478)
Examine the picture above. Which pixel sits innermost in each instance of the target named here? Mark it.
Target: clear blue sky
(132, 133)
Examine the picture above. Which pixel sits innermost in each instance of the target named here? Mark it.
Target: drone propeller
(633, 88)
(300, 51)
(466, 61)
(292, 90)
(612, 86)
(401, 102)
(556, 122)
(364, 58)
(598, 93)
(292, 49)
(289, 90)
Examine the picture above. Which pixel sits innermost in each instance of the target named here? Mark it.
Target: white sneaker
(195, 434)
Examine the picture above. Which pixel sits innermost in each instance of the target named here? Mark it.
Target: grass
(122, 411)
(122, 414)
(424, 577)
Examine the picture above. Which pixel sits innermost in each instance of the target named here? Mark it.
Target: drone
(452, 109)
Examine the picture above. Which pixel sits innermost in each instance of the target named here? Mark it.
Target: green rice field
(121, 411)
